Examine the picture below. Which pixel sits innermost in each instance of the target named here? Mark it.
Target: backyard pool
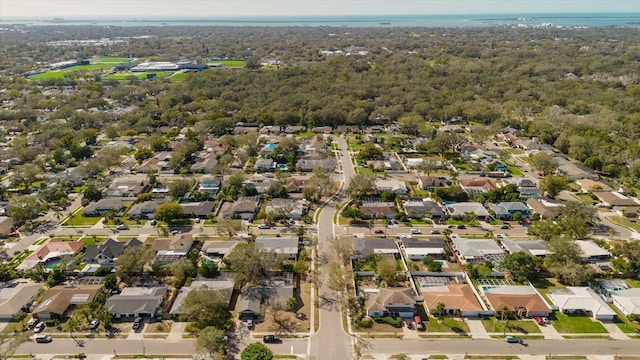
(52, 264)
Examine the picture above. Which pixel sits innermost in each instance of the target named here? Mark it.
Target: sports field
(230, 63)
(54, 74)
(109, 59)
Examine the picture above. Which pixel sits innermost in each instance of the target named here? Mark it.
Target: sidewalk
(476, 329)
(614, 331)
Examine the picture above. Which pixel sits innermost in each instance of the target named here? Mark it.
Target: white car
(264, 226)
(416, 231)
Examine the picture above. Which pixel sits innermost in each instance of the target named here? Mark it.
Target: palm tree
(72, 324)
(440, 308)
(110, 214)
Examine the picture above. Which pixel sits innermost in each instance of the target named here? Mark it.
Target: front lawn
(515, 171)
(78, 219)
(447, 324)
(576, 324)
(625, 222)
(496, 325)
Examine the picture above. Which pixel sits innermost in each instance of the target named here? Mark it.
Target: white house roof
(423, 251)
(591, 249)
(627, 300)
(476, 247)
(581, 298)
(464, 207)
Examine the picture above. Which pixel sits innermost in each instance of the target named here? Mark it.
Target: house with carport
(572, 299)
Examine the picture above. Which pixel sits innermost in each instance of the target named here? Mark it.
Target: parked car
(512, 339)
(154, 222)
(461, 227)
(270, 339)
(39, 327)
(122, 227)
(43, 339)
(264, 226)
(94, 324)
(504, 227)
(196, 220)
(416, 231)
(33, 322)
(250, 324)
(435, 231)
(545, 320)
(379, 231)
(137, 323)
(538, 320)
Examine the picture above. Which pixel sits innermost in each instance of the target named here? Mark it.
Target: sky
(226, 8)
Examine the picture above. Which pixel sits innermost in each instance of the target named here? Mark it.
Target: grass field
(625, 222)
(79, 220)
(61, 73)
(140, 76)
(576, 324)
(230, 63)
(512, 326)
(108, 59)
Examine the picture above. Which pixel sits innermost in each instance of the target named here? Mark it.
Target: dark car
(137, 323)
(461, 227)
(379, 231)
(270, 339)
(512, 339)
(33, 323)
(504, 227)
(44, 339)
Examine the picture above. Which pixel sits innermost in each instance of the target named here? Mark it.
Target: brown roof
(57, 299)
(178, 242)
(387, 296)
(590, 185)
(531, 302)
(478, 183)
(458, 297)
(614, 199)
(538, 207)
(55, 246)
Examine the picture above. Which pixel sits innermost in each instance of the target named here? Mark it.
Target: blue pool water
(53, 264)
(270, 146)
(485, 288)
(282, 167)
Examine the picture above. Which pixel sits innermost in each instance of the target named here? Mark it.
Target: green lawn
(633, 282)
(576, 324)
(446, 325)
(625, 222)
(94, 240)
(545, 285)
(230, 63)
(80, 220)
(515, 171)
(108, 59)
(622, 322)
(512, 326)
(140, 76)
(61, 73)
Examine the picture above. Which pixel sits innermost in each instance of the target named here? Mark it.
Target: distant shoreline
(560, 20)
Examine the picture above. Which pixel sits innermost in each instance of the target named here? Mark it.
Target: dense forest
(576, 89)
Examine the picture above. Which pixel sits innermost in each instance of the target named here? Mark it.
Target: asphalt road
(497, 346)
(109, 346)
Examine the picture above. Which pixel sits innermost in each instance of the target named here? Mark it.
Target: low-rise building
(17, 295)
(475, 187)
(528, 246)
(136, 301)
(222, 290)
(245, 208)
(391, 185)
(102, 206)
(367, 246)
(592, 252)
(614, 198)
(506, 210)
(581, 300)
(458, 299)
(627, 300)
(394, 302)
(419, 249)
(59, 301)
(419, 208)
(105, 254)
(286, 246)
(588, 185)
(428, 182)
(519, 300)
(477, 250)
(462, 208)
(546, 209)
(378, 210)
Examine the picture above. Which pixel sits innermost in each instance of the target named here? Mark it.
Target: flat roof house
(286, 247)
(457, 298)
(17, 295)
(391, 302)
(531, 247)
(477, 250)
(461, 208)
(581, 300)
(419, 249)
(592, 252)
(136, 301)
(628, 300)
(520, 300)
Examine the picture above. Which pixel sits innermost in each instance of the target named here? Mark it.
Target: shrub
(364, 323)
(395, 322)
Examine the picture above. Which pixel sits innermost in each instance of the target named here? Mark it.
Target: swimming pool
(52, 264)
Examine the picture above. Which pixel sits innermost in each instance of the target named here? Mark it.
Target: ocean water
(485, 20)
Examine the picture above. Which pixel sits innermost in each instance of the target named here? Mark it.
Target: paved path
(615, 332)
(476, 329)
(177, 329)
(550, 332)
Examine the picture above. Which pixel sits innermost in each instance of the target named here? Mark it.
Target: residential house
(394, 302)
(59, 301)
(545, 208)
(519, 300)
(17, 295)
(100, 207)
(526, 143)
(105, 254)
(391, 185)
(588, 185)
(50, 252)
(428, 182)
(592, 252)
(171, 249)
(252, 298)
(200, 209)
(210, 185)
(614, 198)
(218, 249)
(506, 210)
(223, 289)
(322, 130)
(475, 187)
(270, 129)
(457, 299)
(418, 208)
(378, 210)
(527, 188)
(462, 208)
(245, 208)
(144, 210)
(307, 165)
(531, 247)
(205, 162)
(627, 300)
(127, 188)
(261, 182)
(136, 301)
(416, 249)
(573, 170)
(364, 247)
(72, 175)
(573, 299)
(6, 226)
(286, 246)
(159, 164)
(296, 183)
(289, 208)
(264, 165)
(294, 129)
(477, 251)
